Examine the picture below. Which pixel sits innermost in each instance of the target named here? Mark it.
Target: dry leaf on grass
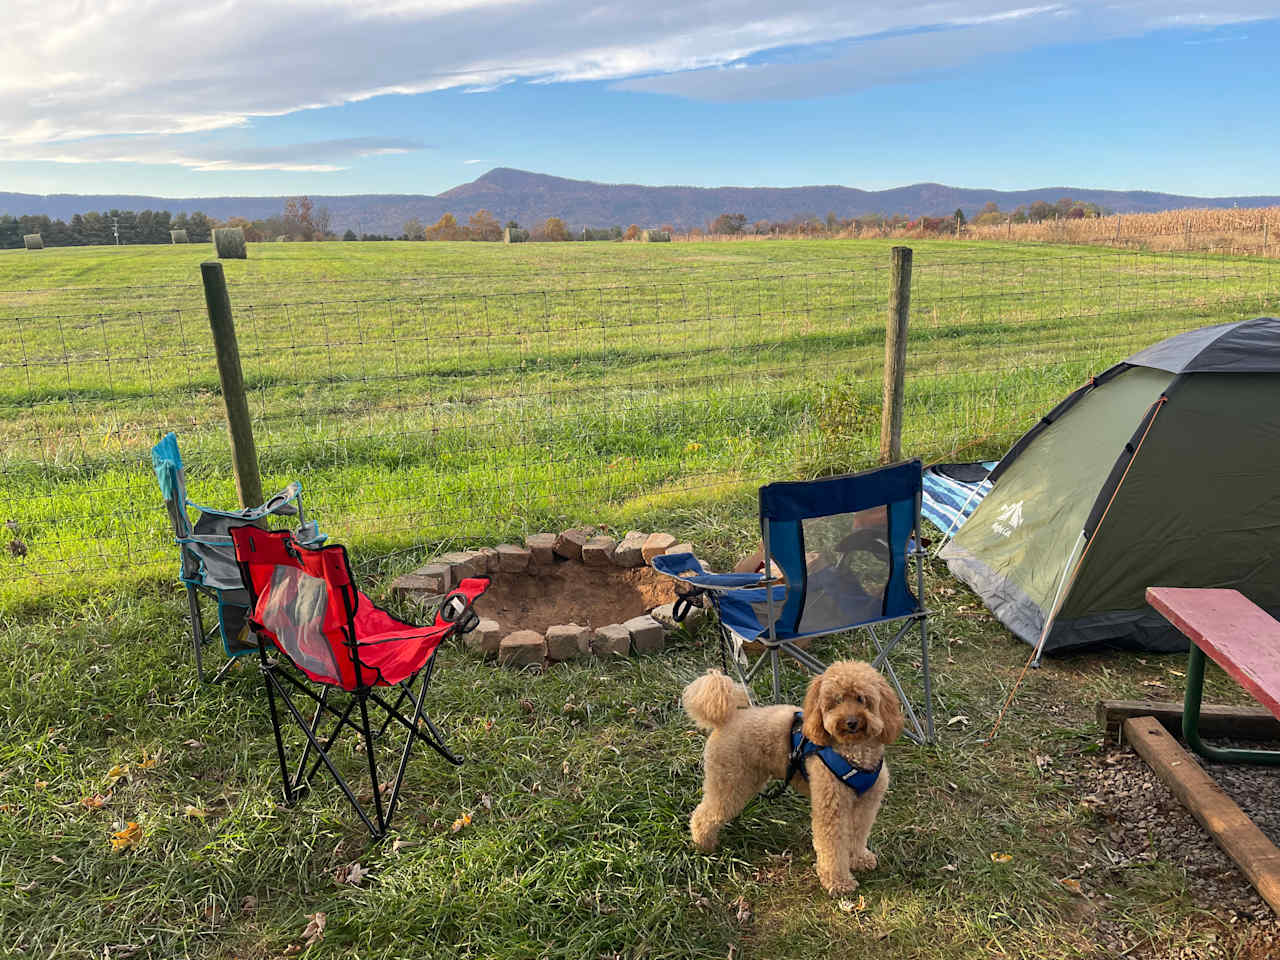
(1073, 886)
(128, 838)
(313, 932)
(148, 760)
(96, 802)
(353, 874)
(1001, 857)
(461, 822)
(117, 772)
(849, 906)
(249, 904)
(959, 718)
(743, 909)
(196, 812)
(486, 801)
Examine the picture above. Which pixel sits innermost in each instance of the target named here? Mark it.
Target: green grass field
(435, 394)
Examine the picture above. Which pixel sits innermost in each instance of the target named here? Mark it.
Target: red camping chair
(304, 601)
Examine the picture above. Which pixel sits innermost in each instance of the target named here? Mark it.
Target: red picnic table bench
(1242, 638)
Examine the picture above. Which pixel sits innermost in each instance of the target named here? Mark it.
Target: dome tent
(1162, 471)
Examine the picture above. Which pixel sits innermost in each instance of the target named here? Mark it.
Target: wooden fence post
(895, 355)
(1187, 241)
(244, 456)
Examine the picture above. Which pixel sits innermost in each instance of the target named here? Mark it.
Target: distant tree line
(301, 220)
(141, 226)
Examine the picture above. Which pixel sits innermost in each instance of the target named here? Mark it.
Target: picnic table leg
(1191, 721)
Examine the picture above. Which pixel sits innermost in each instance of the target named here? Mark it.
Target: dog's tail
(712, 699)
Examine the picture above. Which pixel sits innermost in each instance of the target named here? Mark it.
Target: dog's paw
(866, 860)
(841, 886)
(705, 844)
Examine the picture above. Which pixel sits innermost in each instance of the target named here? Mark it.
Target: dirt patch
(573, 593)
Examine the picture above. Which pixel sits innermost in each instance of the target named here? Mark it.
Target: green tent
(1162, 471)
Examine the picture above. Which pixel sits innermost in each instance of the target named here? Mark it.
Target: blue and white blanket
(952, 491)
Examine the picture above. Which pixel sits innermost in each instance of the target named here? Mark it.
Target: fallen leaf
(462, 821)
(193, 744)
(1072, 885)
(148, 760)
(526, 705)
(313, 932)
(959, 718)
(486, 801)
(249, 904)
(41, 784)
(1001, 857)
(949, 867)
(128, 838)
(353, 874)
(399, 843)
(848, 906)
(191, 811)
(488, 725)
(95, 802)
(564, 768)
(118, 771)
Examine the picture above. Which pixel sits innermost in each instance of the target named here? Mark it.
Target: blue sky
(417, 96)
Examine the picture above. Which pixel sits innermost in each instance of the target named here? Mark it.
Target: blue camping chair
(208, 565)
(838, 554)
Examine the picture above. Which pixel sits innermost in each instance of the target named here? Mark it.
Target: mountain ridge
(529, 198)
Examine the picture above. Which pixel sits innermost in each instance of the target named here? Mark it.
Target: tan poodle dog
(849, 707)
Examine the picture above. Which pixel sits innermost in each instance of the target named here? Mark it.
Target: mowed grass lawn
(429, 394)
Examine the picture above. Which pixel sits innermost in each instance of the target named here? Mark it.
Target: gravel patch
(1145, 822)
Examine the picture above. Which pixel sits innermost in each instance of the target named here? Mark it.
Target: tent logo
(1008, 519)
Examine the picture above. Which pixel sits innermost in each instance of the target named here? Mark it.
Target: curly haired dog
(850, 707)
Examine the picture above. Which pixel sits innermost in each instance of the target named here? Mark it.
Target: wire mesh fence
(422, 412)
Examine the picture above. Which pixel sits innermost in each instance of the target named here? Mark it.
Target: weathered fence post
(244, 456)
(895, 355)
(1187, 241)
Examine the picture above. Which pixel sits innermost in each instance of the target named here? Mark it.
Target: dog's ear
(813, 726)
(890, 711)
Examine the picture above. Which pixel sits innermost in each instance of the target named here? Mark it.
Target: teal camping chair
(208, 567)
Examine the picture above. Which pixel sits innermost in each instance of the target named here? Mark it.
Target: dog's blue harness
(855, 778)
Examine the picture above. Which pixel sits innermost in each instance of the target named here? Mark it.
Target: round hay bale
(177, 236)
(33, 241)
(229, 242)
(515, 236)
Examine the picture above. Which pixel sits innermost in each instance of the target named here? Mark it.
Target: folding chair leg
(928, 679)
(268, 679)
(197, 630)
(198, 638)
(369, 749)
(408, 746)
(776, 665)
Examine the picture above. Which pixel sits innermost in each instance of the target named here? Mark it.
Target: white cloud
(113, 79)
(198, 153)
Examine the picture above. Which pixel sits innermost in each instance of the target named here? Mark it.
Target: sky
(269, 97)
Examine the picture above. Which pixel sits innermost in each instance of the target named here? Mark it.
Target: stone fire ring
(606, 581)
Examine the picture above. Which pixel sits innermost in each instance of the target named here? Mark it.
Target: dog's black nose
(852, 725)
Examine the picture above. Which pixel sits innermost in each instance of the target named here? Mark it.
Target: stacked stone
(644, 634)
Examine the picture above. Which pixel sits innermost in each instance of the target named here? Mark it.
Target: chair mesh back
(293, 609)
(841, 545)
(304, 599)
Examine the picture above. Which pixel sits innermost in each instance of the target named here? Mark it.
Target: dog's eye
(860, 699)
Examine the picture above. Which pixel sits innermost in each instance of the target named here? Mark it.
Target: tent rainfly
(1162, 471)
